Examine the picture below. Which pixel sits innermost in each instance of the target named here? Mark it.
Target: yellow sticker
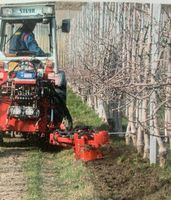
(18, 33)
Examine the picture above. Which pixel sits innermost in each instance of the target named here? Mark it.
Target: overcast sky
(140, 1)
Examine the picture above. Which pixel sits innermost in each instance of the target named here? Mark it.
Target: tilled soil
(123, 175)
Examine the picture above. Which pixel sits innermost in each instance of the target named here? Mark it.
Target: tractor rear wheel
(1, 139)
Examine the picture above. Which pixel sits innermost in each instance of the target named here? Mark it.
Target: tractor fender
(62, 79)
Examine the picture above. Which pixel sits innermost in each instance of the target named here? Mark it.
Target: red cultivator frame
(86, 143)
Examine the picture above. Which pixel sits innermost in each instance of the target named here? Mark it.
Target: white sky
(140, 1)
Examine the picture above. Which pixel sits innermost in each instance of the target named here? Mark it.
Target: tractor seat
(10, 54)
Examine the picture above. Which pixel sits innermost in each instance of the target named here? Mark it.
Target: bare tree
(117, 61)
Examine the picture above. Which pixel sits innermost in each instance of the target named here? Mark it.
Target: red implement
(87, 145)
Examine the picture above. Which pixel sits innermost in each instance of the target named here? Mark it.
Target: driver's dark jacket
(22, 41)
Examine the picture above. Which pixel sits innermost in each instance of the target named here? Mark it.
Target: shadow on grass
(27, 144)
(80, 126)
(19, 146)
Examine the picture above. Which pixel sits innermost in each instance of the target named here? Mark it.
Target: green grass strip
(72, 178)
(82, 114)
(33, 175)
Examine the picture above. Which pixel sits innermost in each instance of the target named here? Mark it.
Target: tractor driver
(24, 41)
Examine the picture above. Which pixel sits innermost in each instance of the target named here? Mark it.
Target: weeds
(81, 113)
(72, 177)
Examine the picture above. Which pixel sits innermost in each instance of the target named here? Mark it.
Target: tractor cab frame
(12, 17)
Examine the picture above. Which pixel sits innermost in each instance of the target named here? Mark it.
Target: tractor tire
(1, 139)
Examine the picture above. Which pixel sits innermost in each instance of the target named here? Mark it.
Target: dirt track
(50, 188)
(12, 181)
(17, 174)
(13, 184)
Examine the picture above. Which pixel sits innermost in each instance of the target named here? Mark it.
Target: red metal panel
(57, 139)
(27, 82)
(22, 125)
(84, 149)
(4, 105)
(3, 75)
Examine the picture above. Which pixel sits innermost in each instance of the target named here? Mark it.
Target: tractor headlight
(29, 111)
(7, 11)
(47, 10)
(15, 110)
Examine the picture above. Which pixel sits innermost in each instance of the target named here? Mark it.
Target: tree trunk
(140, 138)
(131, 130)
(168, 96)
(162, 148)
